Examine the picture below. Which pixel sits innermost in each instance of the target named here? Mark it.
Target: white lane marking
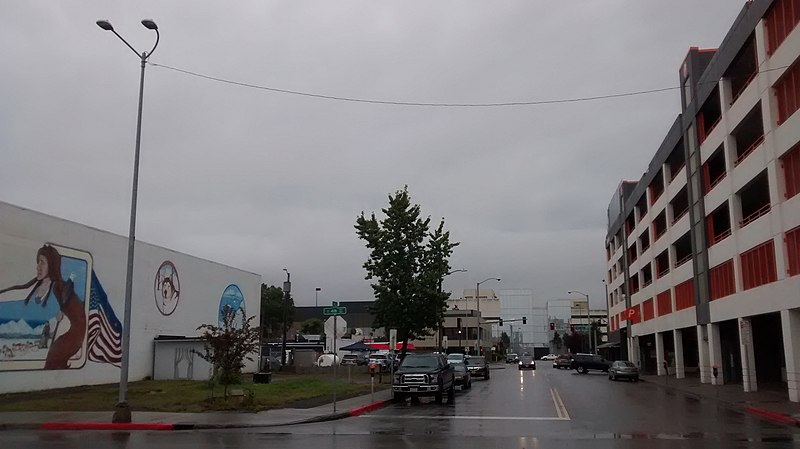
(494, 418)
(561, 410)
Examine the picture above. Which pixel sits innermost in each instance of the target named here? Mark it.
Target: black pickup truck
(582, 363)
(424, 375)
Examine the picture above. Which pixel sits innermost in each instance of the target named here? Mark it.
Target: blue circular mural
(232, 298)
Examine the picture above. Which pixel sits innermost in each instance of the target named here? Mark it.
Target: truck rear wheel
(451, 394)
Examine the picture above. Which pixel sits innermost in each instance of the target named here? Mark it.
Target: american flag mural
(105, 330)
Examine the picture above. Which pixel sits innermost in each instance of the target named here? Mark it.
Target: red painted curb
(772, 416)
(367, 408)
(105, 426)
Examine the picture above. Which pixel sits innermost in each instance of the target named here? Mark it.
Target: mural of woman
(48, 285)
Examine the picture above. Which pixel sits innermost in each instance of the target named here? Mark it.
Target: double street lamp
(122, 411)
(478, 301)
(588, 318)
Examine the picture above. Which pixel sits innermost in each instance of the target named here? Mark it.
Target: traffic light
(552, 326)
(458, 321)
(524, 320)
(500, 322)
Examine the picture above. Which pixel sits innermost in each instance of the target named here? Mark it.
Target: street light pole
(316, 296)
(122, 411)
(588, 318)
(440, 332)
(287, 288)
(478, 305)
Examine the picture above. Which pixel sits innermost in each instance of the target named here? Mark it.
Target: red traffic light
(552, 326)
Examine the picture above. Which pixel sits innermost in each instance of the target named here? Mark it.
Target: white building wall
(201, 286)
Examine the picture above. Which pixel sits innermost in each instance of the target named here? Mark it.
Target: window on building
(754, 199)
(676, 160)
(664, 302)
(660, 225)
(758, 265)
(637, 318)
(787, 93)
(749, 134)
(647, 275)
(791, 171)
(684, 295)
(648, 311)
(662, 263)
(644, 240)
(679, 205)
(683, 249)
(714, 169)
(709, 115)
(743, 69)
(641, 207)
(687, 90)
(634, 283)
(793, 251)
(718, 224)
(632, 253)
(779, 21)
(630, 224)
(656, 187)
(721, 280)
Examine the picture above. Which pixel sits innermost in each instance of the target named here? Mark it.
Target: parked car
(512, 358)
(527, 362)
(355, 359)
(477, 366)
(381, 361)
(562, 361)
(457, 357)
(424, 375)
(463, 377)
(623, 369)
(548, 357)
(582, 363)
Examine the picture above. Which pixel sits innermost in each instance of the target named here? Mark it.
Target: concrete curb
(190, 426)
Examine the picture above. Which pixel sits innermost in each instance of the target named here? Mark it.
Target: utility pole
(287, 288)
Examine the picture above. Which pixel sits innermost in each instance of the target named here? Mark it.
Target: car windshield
(526, 358)
(458, 366)
(413, 361)
(626, 364)
(477, 361)
(511, 356)
(455, 357)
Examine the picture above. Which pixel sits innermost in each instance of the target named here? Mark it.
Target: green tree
(272, 311)
(227, 346)
(312, 326)
(505, 340)
(407, 263)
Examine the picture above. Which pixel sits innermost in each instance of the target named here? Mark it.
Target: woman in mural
(47, 286)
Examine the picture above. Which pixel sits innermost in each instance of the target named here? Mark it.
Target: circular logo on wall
(233, 300)
(167, 288)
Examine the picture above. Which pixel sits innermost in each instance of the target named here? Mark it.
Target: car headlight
(520, 363)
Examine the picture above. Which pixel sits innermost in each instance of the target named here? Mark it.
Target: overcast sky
(262, 180)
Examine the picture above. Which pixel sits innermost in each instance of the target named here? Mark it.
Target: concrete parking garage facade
(704, 250)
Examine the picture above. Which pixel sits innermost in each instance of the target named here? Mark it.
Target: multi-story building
(704, 250)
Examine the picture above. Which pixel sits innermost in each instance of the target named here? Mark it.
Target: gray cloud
(263, 180)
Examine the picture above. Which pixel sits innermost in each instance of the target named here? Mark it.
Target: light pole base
(122, 413)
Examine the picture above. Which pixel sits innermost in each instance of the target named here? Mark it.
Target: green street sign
(334, 311)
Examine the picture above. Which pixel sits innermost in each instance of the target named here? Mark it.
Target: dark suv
(424, 375)
(585, 362)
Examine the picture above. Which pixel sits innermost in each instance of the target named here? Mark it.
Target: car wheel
(469, 384)
(487, 375)
(611, 376)
(451, 395)
(583, 370)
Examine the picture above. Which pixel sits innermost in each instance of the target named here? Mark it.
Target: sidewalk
(187, 421)
(768, 404)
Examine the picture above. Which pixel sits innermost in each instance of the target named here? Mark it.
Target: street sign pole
(334, 364)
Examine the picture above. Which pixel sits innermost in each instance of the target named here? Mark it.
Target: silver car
(622, 369)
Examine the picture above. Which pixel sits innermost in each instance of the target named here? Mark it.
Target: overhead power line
(421, 104)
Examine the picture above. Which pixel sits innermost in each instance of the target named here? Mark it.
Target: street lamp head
(569, 292)
(149, 24)
(105, 24)
(318, 289)
(497, 279)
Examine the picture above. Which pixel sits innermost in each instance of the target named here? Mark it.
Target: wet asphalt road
(541, 409)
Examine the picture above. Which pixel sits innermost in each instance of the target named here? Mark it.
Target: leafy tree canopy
(272, 311)
(312, 326)
(407, 263)
(227, 346)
